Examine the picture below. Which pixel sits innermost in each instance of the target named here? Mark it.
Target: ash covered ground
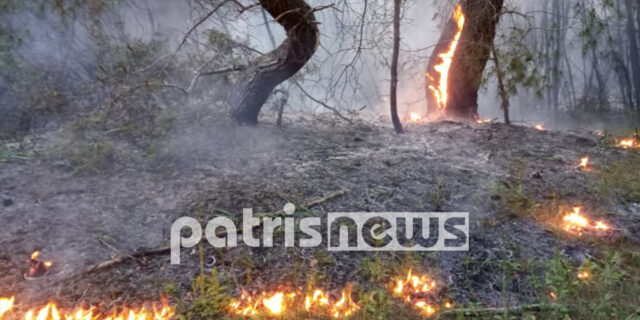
(80, 219)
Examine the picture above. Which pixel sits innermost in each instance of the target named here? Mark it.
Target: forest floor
(516, 182)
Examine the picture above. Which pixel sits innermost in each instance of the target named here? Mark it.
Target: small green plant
(620, 180)
(211, 298)
(606, 289)
(438, 197)
(95, 156)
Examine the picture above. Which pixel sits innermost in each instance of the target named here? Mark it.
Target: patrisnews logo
(398, 231)
(345, 231)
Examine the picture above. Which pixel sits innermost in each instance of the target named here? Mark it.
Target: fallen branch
(165, 250)
(334, 110)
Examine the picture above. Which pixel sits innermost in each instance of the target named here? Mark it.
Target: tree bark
(471, 56)
(397, 4)
(633, 51)
(271, 69)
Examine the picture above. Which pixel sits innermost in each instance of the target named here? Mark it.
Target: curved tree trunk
(394, 67)
(271, 69)
(471, 57)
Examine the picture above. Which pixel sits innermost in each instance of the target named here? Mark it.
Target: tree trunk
(633, 51)
(433, 78)
(271, 69)
(471, 56)
(397, 4)
(504, 95)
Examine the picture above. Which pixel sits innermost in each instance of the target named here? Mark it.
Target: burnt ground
(79, 219)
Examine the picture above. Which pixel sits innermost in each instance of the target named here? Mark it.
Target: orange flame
(275, 303)
(539, 127)
(584, 164)
(6, 304)
(577, 223)
(52, 312)
(441, 89)
(413, 289)
(35, 255)
(629, 143)
(345, 306)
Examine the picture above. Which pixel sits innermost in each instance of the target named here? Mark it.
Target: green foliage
(88, 156)
(512, 193)
(620, 179)
(518, 62)
(610, 291)
(211, 298)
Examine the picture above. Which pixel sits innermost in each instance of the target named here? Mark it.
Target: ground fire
(419, 291)
(584, 164)
(629, 143)
(51, 311)
(415, 117)
(37, 268)
(576, 223)
(317, 301)
(438, 83)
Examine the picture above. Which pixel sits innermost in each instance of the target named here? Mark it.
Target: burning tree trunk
(455, 69)
(270, 69)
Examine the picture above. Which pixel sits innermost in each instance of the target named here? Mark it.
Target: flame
(441, 90)
(413, 290)
(629, 143)
(553, 294)
(6, 304)
(584, 164)
(577, 223)
(275, 303)
(483, 121)
(318, 298)
(345, 306)
(52, 312)
(539, 127)
(414, 117)
(38, 268)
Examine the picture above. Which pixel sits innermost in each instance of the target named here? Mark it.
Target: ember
(52, 312)
(539, 127)
(583, 275)
(575, 222)
(483, 121)
(37, 268)
(440, 89)
(276, 303)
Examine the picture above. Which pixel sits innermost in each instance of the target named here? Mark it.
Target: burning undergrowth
(519, 184)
